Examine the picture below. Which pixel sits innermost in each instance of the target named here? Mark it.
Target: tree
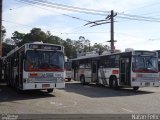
(70, 50)
(6, 48)
(36, 34)
(18, 37)
(82, 45)
(100, 48)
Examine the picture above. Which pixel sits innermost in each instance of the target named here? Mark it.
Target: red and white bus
(35, 66)
(125, 69)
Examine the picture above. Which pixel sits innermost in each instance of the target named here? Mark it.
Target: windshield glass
(145, 64)
(44, 60)
(67, 65)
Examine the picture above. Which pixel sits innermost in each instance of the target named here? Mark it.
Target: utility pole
(1, 1)
(112, 41)
(100, 22)
(0, 40)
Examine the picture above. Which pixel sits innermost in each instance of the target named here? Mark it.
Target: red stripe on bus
(115, 71)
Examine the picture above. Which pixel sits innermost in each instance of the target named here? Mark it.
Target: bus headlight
(30, 80)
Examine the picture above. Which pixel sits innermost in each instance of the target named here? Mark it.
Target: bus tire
(82, 80)
(49, 90)
(114, 83)
(135, 88)
(110, 83)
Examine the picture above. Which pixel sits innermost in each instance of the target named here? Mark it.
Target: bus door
(94, 71)
(125, 71)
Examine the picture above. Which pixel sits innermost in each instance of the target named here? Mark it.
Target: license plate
(147, 84)
(45, 85)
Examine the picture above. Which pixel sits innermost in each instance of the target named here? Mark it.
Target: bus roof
(34, 43)
(96, 56)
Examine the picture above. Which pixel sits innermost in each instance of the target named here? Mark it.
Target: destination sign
(45, 47)
(145, 53)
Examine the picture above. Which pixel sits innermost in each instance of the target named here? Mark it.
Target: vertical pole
(1, 28)
(0, 40)
(112, 31)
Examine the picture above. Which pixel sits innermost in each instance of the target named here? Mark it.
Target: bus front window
(68, 65)
(44, 60)
(145, 64)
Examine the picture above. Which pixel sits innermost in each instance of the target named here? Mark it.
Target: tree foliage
(6, 48)
(36, 34)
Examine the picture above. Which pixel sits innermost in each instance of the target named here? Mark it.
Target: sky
(22, 16)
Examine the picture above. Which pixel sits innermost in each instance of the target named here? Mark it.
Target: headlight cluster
(30, 80)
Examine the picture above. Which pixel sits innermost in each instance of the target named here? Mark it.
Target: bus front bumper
(41, 86)
(145, 84)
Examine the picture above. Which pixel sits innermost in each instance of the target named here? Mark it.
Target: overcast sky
(129, 33)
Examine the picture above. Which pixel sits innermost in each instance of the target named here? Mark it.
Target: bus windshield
(44, 60)
(145, 64)
(68, 65)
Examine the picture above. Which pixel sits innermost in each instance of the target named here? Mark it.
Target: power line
(93, 10)
(63, 15)
(138, 18)
(147, 5)
(60, 6)
(64, 7)
(17, 7)
(100, 22)
(58, 12)
(64, 33)
(87, 11)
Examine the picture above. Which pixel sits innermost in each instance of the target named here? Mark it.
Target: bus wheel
(135, 88)
(110, 83)
(114, 83)
(49, 90)
(82, 80)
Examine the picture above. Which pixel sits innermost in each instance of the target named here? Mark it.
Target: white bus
(125, 69)
(68, 70)
(37, 66)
